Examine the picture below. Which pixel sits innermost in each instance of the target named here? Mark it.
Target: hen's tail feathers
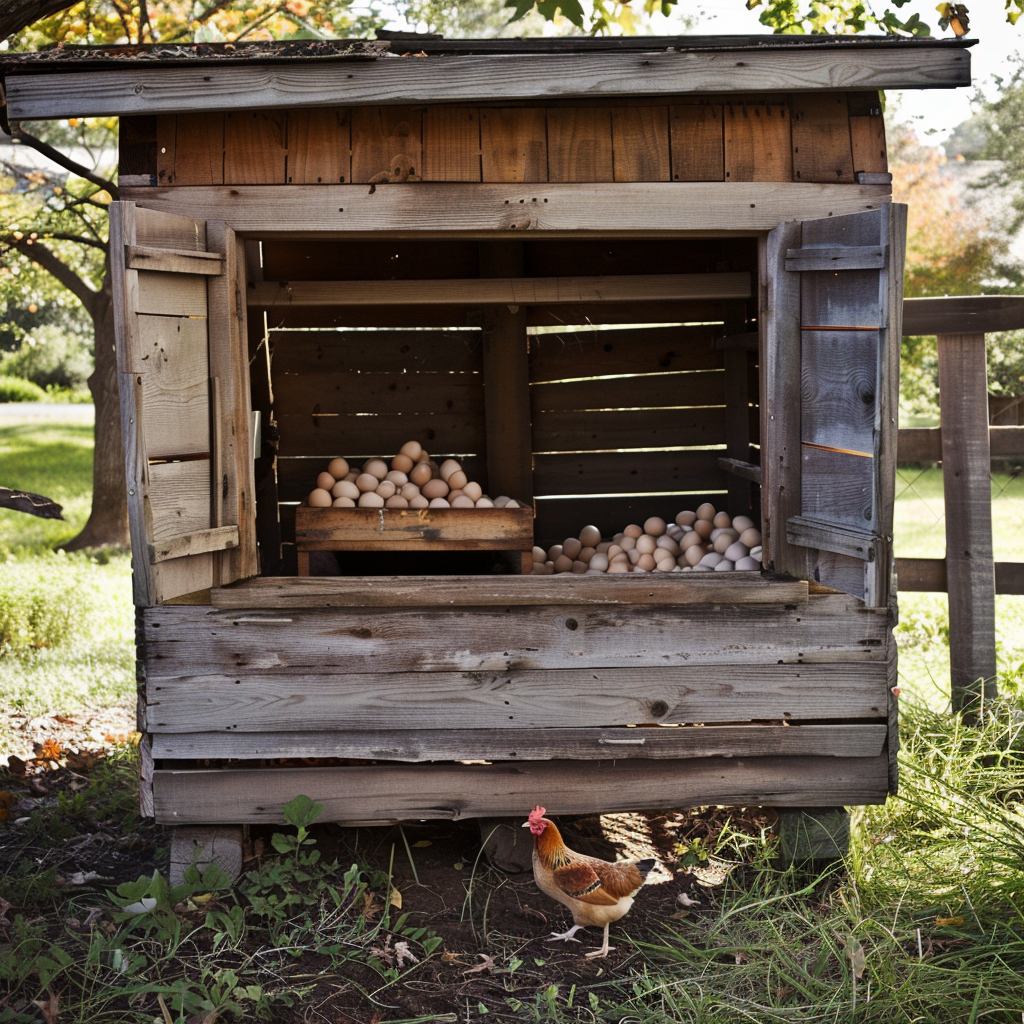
(645, 866)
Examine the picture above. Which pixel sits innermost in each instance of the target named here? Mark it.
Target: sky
(934, 112)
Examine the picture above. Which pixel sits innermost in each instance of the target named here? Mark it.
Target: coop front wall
(791, 697)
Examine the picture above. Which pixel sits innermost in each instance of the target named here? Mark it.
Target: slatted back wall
(627, 423)
(364, 393)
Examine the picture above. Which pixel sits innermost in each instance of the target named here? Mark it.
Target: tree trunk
(108, 520)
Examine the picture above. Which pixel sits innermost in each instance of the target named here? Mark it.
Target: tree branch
(80, 239)
(54, 265)
(66, 162)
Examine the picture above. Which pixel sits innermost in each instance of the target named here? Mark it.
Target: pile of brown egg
(414, 480)
(702, 541)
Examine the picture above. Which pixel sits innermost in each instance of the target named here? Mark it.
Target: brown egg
(409, 491)
(402, 463)
(613, 550)
(619, 565)
(345, 489)
(448, 467)
(571, 547)
(396, 501)
(686, 518)
(724, 541)
(455, 492)
(628, 543)
(706, 511)
(462, 501)
(325, 481)
(634, 556)
(540, 555)
(603, 547)
(633, 531)
(590, 536)
(579, 567)
(352, 476)
(473, 490)
(646, 561)
(412, 450)
(376, 467)
(457, 480)
(386, 489)
(554, 551)
(692, 539)
(664, 560)
(722, 519)
(338, 468)
(319, 498)
(646, 544)
(397, 478)
(751, 537)
(484, 502)
(418, 502)
(423, 457)
(703, 528)
(420, 474)
(370, 499)
(655, 526)
(586, 554)
(563, 564)
(367, 482)
(694, 555)
(434, 471)
(343, 503)
(742, 523)
(434, 489)
(667, 544)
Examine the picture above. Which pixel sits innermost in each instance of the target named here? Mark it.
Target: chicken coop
(616, 279)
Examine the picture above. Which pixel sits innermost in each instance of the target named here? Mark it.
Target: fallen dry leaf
(48, 750)
(486, 965)
(403, 953)
(15, 765)
(948, 922)
(49, 1007)
(396, 899)
(685, 900)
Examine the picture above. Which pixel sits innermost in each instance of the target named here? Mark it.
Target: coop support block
(812, 834)
(203, 846)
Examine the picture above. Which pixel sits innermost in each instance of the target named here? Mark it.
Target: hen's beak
(525, 824)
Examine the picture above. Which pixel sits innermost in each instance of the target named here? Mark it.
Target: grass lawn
(923, 923)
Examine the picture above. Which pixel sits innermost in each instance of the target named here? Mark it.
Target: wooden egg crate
(428, 529)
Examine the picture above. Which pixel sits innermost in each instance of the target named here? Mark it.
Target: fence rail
(965, 443)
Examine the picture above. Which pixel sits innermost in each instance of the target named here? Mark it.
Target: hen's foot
(598, 953)
(565, 936)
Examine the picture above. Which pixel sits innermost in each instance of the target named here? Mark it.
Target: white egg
(668, 544)
(346, 489)
(736, 551)
(343, 502)
(512, 503)
(702, 568)
(633, 556)
(409, 491)
(501, 500)
(742, 523)
(628, 543)
(590, 536)
(748, 564)
(463, 501)
(397, 478)
(378, 467)
(725, 566)
(599, 562)
(319, 498)
(484, 503)
(370, 499)
(454, 493)
(711, 559)
(439, 503)
(755, 552)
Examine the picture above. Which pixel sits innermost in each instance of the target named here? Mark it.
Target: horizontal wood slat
(171, 295)
(650, 208)
(337, 642)
(626, 472)
(176, 261)
(178, 499)
(313, 352)
(825, 536)
(482, 591)
(928, 575)
(627, 428)
(534, 744)
(503, 291)
(218, 539)
(744, 470)
(454, 792)
(968, 314)
(924, 444)
(669, 391)
(849, 257)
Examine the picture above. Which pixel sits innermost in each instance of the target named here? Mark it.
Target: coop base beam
(415, 209)
(532, 745)
(928, 575)
(480, 591)
(524, 291)
(924, 444)
(744, 470)
(141, 90)
(456, 792)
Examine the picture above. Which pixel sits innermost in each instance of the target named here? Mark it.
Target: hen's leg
(565, 936)
(603, 951)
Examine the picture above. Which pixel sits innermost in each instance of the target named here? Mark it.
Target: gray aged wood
(647, 208)
(531, 744)
(924, 444)
(929, 575)
(746, 470)
(381, 793)
(203, 846)
(965, 314)
(815, 834)
(509, 591)
(968, 496)
(141, 90)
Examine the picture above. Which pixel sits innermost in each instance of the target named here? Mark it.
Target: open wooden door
(180, 335)
(833, 329)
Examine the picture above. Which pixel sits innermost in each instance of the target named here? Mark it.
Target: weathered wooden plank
(197, 157)
(257, 701)
(533, 745)
(929, 575)
(255, 147)
(179, 499)
(697, 142)
(340, 641)
(826, 535)
(422, 351)
(968, 501)
(196, 543)
(451, 144)
(627, 472)
(380, 793)
(580, 144)
(175, 261)
(924, 444)
(757, 142)
(966, 315)
(601, 353)
(837, 487)
(822, 149)
(847, 257)
(476, 78)
(640, 144)
(648, 207)
(171, 294)
(387, 144)
(627, 428)
(503, 291)
(379, 393)
(510, 591)
(319, 145)
(169, 229)
(649, 391)
(330, 434)
(369, 259)
(745, 470)
(514, 144)
(867, 138)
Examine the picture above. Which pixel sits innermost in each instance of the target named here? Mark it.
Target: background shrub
(16, 389)
(44, 602)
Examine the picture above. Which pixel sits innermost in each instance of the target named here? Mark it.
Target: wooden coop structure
(617, 277)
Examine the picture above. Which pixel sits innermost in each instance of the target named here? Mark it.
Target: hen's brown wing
(620, 879)
(582, 882)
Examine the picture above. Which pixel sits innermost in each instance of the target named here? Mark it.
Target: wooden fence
(966, 444)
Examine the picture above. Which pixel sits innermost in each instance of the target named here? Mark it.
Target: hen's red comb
(536, 814)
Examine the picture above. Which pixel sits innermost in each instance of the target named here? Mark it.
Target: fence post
(970, 570)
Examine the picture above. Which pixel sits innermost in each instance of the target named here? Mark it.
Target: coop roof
(398, 69)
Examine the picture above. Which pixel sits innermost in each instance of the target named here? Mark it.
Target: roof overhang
(372, 75)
